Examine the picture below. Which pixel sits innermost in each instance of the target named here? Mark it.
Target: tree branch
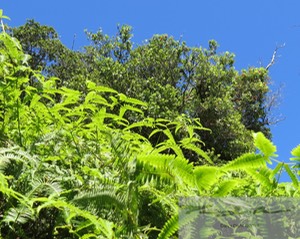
(272, 62)
(2, 25)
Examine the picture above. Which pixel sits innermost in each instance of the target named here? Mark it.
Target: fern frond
(43, 186)
(20, 214)
(276, 170)
(92, 98)
(246, 161)
(206, 176)
(101, 226)
(188, 218)
(225, 187)
(183, 170)
(198, 150)
(164, 197)
(99, 177)
(296, 153)
(134, 101)
(175, 168)
(264, 145)
(262, 176)
(92, 86)
(156, 160)
(99, 199)
(293, 177)
(148, 122)
(125, 108)
(6, 190)
(169, 228)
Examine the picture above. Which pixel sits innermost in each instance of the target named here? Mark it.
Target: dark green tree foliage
(250, 99)
(41, 42)
(50, 55)
(170, 76)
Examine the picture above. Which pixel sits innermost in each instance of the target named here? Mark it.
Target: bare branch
(73, 43)
(272, 102)
(2, 25)
(272, 62)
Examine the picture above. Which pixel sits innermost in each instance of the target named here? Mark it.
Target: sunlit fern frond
(263, 177)
(206, 177)
(246, 161)
(176, 169)
(225, 187)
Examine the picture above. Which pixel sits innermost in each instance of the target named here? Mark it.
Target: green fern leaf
(198, 150)
(225, 187)
(169, 134)
(99, 199)
(183, 170)
(148, 122)
(262, 176)
(89, 235)
(292, 175)
(20, 215)
(92, 86)
(264, 145)
(206, 176)
(101, 226)
(276, 170)
(246, 161)
(296, 153)
(169, 228)
(156, 159)
(93, 97)
(124, 108)
(155, 132)
(177, 169)
(126, 99)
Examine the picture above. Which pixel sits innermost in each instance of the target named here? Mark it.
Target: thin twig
(272, 62)
(2, 25)
(73, 43)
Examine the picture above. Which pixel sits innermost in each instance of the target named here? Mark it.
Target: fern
(19, 215)
(101, 226)
(169, 166)
(126, 99)
(125, 108)
(246, 161)
(169, 228)
(293, 177)
(263, 177)
(100, 199)
(265, 146)
(224, 188)
(186, 144)
(275, 171)
(206, 176)
(92, 86)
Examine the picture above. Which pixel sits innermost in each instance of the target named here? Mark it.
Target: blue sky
(249, 29)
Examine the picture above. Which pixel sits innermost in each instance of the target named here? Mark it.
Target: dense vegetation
(171, 77)
(103, 143)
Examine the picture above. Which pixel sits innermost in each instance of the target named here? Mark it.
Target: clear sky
(249, 29)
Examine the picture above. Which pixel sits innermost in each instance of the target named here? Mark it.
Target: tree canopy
(173, 78)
